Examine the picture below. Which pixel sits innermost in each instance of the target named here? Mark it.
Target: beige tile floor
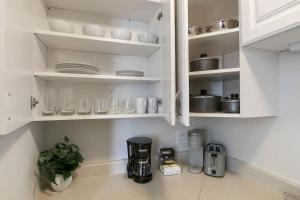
(182, 187)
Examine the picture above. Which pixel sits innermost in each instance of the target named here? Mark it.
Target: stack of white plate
(129, 73)
(76, 68)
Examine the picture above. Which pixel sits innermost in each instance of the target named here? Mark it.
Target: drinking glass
(48, 101)
(128, 106)
(67, 106)
(84, 106)
(114, 107)
(152, 105)
(101, 106)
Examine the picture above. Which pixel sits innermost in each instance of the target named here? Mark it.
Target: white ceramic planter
(61, 184)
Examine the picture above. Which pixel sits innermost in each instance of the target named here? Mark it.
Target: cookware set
(209, 103)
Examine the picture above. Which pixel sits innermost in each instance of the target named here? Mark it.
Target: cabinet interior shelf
(86, 117)
(66, 77)
(140, 10)
(220, 42)
(216, 115)
(77, 42)
(219, 74)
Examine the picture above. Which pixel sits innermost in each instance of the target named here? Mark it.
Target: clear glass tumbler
(84, 106)
(101, 107)
(48, 101)
(114, 107)
(67, 106)
(128, 106)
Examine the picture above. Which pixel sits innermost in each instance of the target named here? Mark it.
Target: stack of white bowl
(99, 31)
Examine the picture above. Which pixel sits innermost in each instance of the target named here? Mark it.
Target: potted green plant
(57, 164)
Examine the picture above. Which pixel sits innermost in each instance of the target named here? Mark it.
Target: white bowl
(93, 30)
(148, 37)
(61, 26)
(121, 34)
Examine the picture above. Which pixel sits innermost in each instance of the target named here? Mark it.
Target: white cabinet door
(261, 19)
(167, 27)
(16, 63)
(182, 61)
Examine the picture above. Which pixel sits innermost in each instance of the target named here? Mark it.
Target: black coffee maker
(139, 159)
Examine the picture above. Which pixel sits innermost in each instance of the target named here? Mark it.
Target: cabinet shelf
(140, 10)
(219, 42)
(219, 74)
(86, 117)
(216, 115)
(77, 42)
(63, 77)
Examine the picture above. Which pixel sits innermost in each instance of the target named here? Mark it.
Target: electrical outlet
(182, 141)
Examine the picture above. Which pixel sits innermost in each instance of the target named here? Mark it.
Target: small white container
(141, 105)
(93, 30)
(121, 34)
(148, 37)
(61, 26)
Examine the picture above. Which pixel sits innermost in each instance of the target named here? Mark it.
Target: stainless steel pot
(205, 103)
(222, 24)
(204, 63)
(231, 105)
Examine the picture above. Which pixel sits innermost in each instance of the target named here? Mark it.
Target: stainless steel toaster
(214, 160)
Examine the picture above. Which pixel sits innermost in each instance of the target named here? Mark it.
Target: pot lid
(203, 94)
(233, 98)
(204, 57)
(195, 132)
(230, 100)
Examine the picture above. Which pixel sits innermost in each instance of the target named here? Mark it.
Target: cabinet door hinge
(33, 102)
(159, 16)
(159, 102)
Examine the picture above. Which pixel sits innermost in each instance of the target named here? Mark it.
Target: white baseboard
(253, 173)
(115, 167)
(263, 177)
(101, 169)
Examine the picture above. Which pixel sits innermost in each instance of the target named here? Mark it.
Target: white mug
(152, 105)
(141, 105)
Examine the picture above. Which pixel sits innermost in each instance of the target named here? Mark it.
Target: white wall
(18, 155)
(269, 143)
(103, 140)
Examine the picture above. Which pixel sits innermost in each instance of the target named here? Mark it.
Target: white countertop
(182, 187)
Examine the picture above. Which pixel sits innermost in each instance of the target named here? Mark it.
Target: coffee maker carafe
(139, 159)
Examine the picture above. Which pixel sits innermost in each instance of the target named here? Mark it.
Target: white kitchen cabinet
(16, 64)
(249, 72)
(30, 51)
(271, 25)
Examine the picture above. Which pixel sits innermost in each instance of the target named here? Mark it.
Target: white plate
(82, 68)
(129, 73)
(77, 71)
(74, 65)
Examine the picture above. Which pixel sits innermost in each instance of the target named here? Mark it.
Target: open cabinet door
(182, 48)
(167, 27)
(16, 63)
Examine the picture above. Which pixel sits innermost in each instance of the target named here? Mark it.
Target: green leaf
(74, 147)
(66, 139)
(66, 175)
(61, 146)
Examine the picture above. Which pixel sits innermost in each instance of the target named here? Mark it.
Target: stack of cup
(146, 105)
